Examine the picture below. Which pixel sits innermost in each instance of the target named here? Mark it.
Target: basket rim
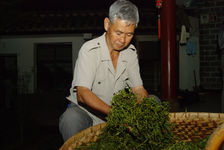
(81, 134)
(173, 116)
(196, 115)
(216, 139)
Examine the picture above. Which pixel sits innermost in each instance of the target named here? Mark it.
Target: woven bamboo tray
(188, 126)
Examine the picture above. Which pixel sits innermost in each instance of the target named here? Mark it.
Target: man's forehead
(127, 22)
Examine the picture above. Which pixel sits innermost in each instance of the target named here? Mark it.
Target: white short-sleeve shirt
(94, 70)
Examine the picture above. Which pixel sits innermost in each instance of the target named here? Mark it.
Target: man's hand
(141, 92)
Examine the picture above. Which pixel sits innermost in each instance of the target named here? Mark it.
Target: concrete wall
(24, 47)
(211, 15)
(188, 64)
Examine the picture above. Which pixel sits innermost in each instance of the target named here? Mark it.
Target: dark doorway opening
(54, 67)
(149, 61)
(8, 80)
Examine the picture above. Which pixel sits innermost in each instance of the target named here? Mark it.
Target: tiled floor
(39, 137)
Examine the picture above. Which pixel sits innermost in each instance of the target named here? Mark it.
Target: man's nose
(123, 38)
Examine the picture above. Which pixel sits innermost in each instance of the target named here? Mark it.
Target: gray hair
(124, 10)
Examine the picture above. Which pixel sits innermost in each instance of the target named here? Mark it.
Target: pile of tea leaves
(134, 125)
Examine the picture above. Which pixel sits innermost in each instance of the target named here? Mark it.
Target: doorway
(53, 67)
(149, 61)
(8, 81)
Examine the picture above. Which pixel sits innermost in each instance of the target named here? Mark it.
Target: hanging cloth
(191, 48)
(183, 35)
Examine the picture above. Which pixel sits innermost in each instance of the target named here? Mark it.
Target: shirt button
(99, 82)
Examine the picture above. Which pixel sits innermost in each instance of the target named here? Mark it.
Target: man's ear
(106, 23)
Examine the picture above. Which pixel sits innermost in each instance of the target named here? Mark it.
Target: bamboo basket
(188, 126)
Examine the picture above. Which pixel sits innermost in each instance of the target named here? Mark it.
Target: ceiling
(36, 5)
(27, 5)
(12, 11)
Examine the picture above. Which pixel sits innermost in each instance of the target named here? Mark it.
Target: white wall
(24, 47)
(187, 64)
(190, 63)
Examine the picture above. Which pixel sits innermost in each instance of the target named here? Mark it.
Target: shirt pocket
(99, 83)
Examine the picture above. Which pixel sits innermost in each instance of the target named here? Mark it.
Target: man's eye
(129, 35)
(118, 33)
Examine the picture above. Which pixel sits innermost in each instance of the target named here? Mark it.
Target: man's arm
(140, 91)
(84, 95)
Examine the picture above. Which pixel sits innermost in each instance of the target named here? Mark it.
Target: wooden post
(169, 78)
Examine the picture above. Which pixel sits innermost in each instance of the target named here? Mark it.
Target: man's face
(119, 34)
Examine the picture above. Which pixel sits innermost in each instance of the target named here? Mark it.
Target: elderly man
(104, 66)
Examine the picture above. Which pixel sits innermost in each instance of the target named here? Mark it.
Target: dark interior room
(39, 44)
